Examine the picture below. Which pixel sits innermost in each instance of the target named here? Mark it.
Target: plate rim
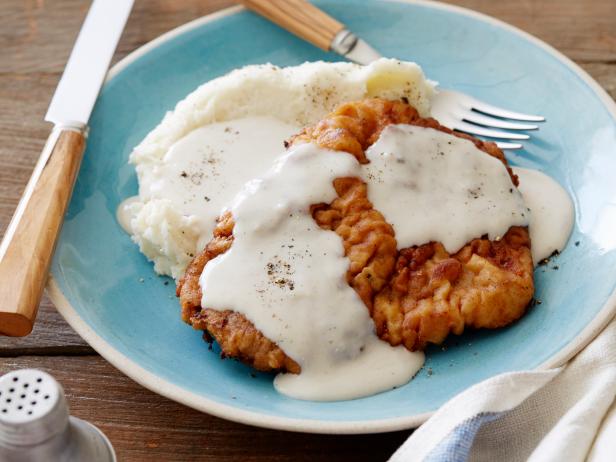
(201, 403)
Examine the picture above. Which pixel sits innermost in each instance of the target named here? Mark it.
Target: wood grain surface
(36, 37)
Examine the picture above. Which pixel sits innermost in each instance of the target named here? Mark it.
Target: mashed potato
(167, 231)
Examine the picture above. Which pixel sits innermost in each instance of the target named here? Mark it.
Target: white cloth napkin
(564, 414)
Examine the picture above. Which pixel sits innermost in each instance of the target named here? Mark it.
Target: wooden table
(36, 37)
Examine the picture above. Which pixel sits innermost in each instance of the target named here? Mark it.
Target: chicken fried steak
(416, 295)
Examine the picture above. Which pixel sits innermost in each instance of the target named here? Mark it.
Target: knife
(29, 241)
(313, 25)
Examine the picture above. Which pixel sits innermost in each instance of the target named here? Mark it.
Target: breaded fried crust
(416, 295)
(236, 335)
(486, 284)
(429, 293)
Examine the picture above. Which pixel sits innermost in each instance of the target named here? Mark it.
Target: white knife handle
(300, 18)
(29, 241)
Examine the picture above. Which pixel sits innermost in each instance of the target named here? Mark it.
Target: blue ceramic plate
(109, 293)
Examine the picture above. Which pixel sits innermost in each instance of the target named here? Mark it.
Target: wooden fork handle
(28, 244)
(299, 17)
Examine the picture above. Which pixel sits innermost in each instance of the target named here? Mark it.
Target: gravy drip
(552, 212)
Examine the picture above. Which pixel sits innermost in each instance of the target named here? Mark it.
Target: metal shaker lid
(32, 408)
(35, 425)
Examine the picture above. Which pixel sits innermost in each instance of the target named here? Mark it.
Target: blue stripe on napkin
(456, 446)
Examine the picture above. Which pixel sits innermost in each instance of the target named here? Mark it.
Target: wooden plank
(23, 134)
(583, 30)
(146, 427)
(604, 74)
(37, 36)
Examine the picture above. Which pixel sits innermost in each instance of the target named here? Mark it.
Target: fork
(453, 109)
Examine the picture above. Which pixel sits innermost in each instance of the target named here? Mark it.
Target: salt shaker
(35, 425)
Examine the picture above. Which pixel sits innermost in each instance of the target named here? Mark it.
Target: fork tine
(478, 118)
(505, 114)
(511, 146)
(482, 131)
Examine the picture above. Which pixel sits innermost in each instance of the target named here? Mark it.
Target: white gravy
(288, 277)
(551, 212)
(201, 173)
(432, 186)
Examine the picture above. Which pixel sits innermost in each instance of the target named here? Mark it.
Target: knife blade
(29, 241)
(87, 65)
